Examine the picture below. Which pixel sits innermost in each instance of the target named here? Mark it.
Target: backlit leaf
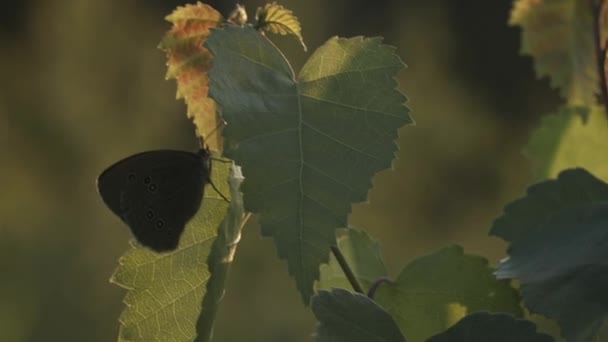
(165, 290)
(571, 138)
(279, 20)
(435, 291)
(310, 145)
(363, 257)
(558, 34)
(188, 62)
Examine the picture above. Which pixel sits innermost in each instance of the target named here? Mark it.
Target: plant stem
(600, 48)
(372, 289)
(347, 270)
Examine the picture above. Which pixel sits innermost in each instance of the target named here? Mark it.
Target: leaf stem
(600, 48)
(372, 289)
(347, 270)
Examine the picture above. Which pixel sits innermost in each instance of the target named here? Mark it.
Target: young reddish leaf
(279, 20)
(188, 62)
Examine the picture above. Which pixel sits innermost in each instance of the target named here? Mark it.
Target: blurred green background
(83, 86)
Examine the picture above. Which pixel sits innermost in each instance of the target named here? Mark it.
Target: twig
(600, 48)
(346, 269)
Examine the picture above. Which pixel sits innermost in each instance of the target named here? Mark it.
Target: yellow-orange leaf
(188, 63)
(279, 20)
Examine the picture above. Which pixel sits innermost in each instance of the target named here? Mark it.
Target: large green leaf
(308, 146)
(571, 138)
(353, 317)
(362, 255)
(435, 291)
(165, 290)
(559, 251)
(495, 327)
(559, 35)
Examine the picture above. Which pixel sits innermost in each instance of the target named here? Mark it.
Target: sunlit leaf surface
(558, 34)
(188, 62)
(363, 257)
(165, 290)
(310, 145)
(571, 138)
(433, 292)
(277, 19)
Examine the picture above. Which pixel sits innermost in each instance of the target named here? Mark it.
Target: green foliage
(165, 290)
(346, 316)
(559, 35)
(435, 291)
(495, 327)
(570, 139)
(363, 257)
(558, 251)
(309, 145)
(573, 188)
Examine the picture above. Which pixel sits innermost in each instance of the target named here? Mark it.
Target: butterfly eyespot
(152, 187)
(160, 224)
(147, 180)
(149, 214)
(131, 177)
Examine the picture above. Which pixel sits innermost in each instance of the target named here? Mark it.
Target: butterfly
(156, 193)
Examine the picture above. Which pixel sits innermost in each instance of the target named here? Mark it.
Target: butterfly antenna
(213, 131)
(222, 123)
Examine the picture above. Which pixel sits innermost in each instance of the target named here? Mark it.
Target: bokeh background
(83, 86)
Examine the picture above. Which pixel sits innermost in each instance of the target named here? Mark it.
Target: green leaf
(279, 20)
(572, 138)
(573, 188)
(558, 34)
(353, 317)
(435, 291)
(308, 146)
(165, 290)
(363, 257)
(495, 327)
(558, 251)
(222, 255)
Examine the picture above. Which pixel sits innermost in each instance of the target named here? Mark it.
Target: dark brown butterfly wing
(156, 193)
